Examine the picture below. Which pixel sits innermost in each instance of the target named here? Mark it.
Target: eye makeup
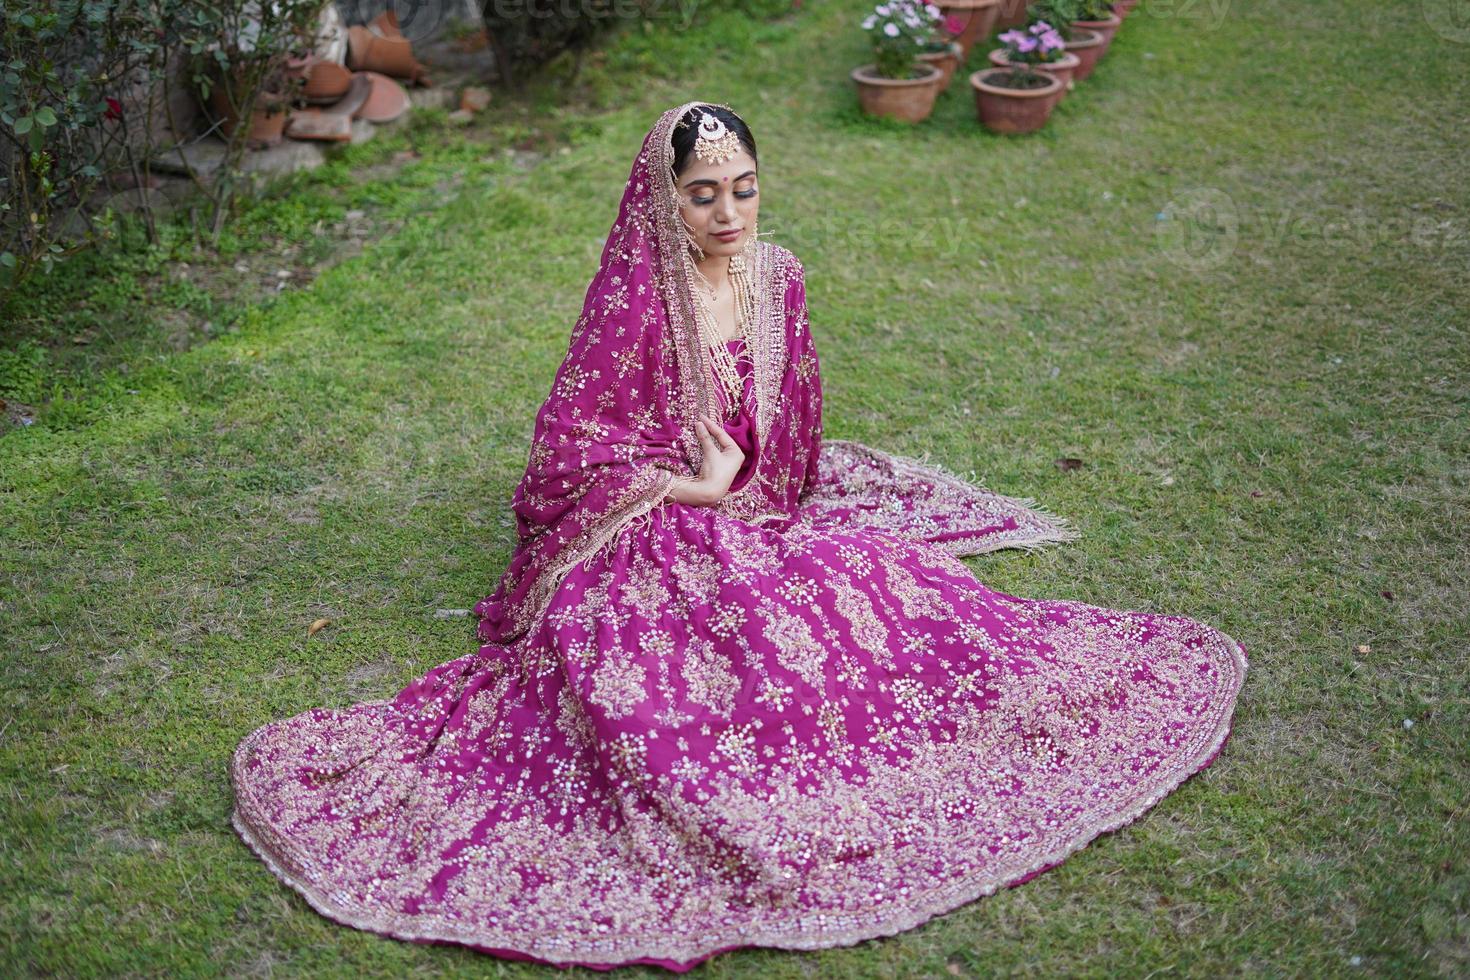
(743, 195)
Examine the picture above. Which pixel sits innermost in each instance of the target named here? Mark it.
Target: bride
(736, 687)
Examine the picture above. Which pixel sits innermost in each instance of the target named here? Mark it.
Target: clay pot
(391, 56)
(946, 62)
(1063, 68)
(1088, 46)
(1107, 28)
(1013, 110)
(979, 17)
(905, 99)
(267, 122)
(1011, 13)
(333, 123)
(1124, 7)
(326, 82)
(385, 102)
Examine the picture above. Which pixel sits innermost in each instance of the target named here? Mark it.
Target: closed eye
(709, 200)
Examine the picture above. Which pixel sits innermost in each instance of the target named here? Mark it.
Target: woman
(735, 686)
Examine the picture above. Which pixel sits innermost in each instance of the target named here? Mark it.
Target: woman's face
(718, 203)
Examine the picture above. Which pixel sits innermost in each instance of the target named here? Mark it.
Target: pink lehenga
(793, 719)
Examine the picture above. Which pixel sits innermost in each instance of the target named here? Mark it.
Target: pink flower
(1026, 44)
(1051, 40)
(1010, 37)
(954, 24)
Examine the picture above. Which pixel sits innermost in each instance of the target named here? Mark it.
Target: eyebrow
(716, 183)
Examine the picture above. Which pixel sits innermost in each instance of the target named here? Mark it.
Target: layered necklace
(724, 363)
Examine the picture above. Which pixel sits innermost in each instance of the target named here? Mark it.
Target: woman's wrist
(697, 493)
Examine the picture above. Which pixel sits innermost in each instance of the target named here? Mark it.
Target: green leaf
(7, 260)
(23, 125)
(45, 116)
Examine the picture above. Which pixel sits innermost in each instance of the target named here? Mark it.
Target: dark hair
(686, 131)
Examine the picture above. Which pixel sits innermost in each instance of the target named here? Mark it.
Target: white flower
(931, 10)
(869, 22)
(891, 30)
(881, 10)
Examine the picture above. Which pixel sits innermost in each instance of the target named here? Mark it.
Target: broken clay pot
(387, 101)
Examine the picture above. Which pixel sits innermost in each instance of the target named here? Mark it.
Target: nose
(727, 208)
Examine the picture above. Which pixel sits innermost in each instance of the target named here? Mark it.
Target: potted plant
(976, 19)
(897, 85)
(267, 112)
(1087, 45)
(1124, 7)
(1098, 15)
(946, 55)
(1015, 100)
(1040, 47)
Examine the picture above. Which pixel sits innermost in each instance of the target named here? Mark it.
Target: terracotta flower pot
(1107, 28)
(978, 15)
(1063, 68)
(1124, 7)
(392, 56)
(1012, 13)
(1013, 110)
(267, 122)
(904, 99)
(326, 82)
(385, 102)
(946, 62)
(1088, 46)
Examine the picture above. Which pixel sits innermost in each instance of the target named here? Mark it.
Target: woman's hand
(717, 470)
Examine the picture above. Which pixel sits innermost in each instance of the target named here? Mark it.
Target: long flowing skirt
(722, 734)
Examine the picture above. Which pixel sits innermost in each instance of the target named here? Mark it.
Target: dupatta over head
(617, 427)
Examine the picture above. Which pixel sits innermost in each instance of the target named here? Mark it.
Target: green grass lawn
(1273, 440)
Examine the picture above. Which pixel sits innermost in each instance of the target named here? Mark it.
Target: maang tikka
(715, 143)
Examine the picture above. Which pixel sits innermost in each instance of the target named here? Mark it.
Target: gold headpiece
(715, 143)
